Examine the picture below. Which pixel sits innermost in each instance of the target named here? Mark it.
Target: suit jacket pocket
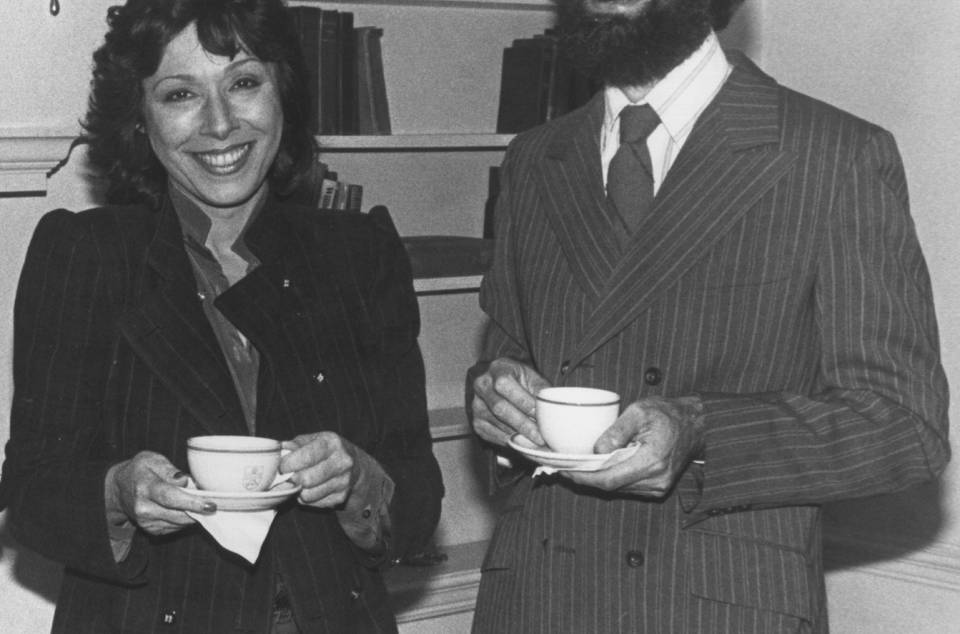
(749, 573)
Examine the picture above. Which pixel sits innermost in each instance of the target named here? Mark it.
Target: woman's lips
(226, 161)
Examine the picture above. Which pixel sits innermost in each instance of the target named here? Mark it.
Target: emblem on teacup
(252, 477)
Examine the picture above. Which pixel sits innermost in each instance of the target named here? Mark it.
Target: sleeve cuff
(366, 517)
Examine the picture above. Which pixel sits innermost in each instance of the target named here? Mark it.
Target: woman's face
(214, 123)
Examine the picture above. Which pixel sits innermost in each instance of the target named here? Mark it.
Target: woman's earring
(138, 128)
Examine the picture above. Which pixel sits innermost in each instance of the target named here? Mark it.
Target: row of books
(323, 189)
(538, 83)
(347, 89)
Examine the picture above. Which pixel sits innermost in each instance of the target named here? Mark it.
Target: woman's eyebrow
(188, 77)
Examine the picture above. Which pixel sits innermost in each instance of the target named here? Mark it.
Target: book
(328, 194)
(448, 256)
(353, 201)
(493, 192)
(373, 112)
(307, 22)
(521, 104)
(330, 65)
(538, 83)
(348, 74)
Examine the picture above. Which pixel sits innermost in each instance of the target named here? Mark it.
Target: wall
(897, 560)
(895, 563)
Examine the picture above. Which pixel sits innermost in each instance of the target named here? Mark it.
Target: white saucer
(562, 461)
(252, 501)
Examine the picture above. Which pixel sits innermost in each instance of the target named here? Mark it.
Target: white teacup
(571, 419)
(239, 464)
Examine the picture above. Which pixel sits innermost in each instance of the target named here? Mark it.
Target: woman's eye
(246, 83)
(177, 95)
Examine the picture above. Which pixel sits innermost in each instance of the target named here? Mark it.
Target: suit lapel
(731, 159)
(571, 183)
(167, 328)
(265, 304)
(280, 303)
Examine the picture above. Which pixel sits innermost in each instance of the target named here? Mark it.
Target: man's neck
(636, 93)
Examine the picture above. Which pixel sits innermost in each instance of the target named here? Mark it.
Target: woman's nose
(219, 119)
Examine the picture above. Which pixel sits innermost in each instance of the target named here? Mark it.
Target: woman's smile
(224, 162)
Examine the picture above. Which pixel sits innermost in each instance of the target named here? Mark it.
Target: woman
(199, 302)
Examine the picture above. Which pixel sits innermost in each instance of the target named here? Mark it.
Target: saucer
(561, 461)
(247, 501)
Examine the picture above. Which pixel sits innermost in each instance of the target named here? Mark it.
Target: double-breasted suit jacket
(778, 277)
(114, 355)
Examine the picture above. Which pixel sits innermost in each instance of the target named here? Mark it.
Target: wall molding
(434, 592)
(27, 154)
(935, 565)
(451, 588)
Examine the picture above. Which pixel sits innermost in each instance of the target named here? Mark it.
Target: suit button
(634, 558)
(354, 594)
(652, 376)
(169, 617)
(565, 367)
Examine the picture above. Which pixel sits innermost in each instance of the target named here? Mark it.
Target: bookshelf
(442, 61)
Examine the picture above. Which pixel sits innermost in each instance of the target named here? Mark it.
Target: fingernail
(209, 507)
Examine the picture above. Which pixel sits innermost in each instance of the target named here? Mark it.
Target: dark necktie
(630, 175)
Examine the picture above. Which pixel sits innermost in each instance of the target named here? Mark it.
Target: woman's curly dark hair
(137, 36)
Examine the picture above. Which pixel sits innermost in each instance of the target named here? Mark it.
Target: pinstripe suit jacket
(778, 277)
(114, 355)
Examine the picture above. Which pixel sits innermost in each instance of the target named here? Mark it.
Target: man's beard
(632, 50)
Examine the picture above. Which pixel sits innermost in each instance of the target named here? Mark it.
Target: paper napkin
(240, 532)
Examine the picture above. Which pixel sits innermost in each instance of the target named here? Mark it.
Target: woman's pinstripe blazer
(114, 355)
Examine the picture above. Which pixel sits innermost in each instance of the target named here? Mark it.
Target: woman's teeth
(224, 160)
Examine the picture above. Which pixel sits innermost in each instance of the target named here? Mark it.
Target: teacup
(571, 419)
(239, 464)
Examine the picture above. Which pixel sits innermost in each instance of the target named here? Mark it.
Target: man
(767, 321)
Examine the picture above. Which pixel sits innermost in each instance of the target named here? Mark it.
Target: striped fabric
(779, 277)
(114, 355)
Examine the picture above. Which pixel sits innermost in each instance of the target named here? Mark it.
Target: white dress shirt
(678, 99)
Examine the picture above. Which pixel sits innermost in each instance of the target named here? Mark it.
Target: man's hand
(504, 401)
(670, 435)
(146, 490)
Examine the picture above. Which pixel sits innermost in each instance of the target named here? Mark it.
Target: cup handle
(280, 478)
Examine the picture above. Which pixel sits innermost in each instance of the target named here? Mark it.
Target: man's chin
(636, 48)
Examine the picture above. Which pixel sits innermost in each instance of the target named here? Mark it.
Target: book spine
(328, 193)
(330, 72)
(307, 23)
(354, 197)
(373, 114)
(493, 192)
(522, 87)
(348, 75)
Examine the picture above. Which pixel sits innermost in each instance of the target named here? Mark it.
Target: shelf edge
(503, 5)
(445, 285)
(476, 142)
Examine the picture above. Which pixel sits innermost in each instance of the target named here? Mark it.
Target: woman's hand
(326, 467)
(146, 490)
